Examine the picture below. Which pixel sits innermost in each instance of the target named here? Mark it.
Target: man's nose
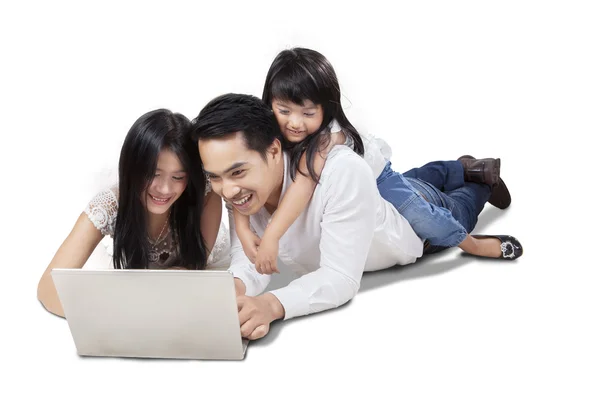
(230, 190)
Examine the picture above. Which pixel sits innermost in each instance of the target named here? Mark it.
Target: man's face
(241, 176)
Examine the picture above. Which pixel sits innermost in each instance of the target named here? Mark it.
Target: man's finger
(244, 314)
(241, 300)
(247, 328)
(259, 332)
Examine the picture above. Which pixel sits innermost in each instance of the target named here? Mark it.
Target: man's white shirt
(347, 228)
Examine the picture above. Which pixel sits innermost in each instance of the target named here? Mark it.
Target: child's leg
(465, 204)
(428, 219)
(450, 175)
(472, 198)
(443, 219)
(443, 175)
(488, 247)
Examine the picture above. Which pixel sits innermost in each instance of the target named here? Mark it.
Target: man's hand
(240, 287)
(257, 313)
(266, 257)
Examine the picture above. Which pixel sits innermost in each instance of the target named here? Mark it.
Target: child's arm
(294, 201)
(301, 190)
(249, 239)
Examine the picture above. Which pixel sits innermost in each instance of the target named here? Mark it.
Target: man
(346, 229)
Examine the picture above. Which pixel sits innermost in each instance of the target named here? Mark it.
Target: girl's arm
(296, 198)
(73, 253)
(294, 201)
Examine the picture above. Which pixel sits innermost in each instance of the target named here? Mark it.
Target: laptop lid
(151, 313)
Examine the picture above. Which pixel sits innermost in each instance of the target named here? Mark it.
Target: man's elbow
(347, 293)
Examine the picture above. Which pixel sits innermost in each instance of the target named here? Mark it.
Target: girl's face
(170, 181)
(295, 121)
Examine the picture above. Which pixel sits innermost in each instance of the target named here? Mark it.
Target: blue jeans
(436, 201)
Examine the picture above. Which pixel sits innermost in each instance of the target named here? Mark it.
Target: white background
(514, 79)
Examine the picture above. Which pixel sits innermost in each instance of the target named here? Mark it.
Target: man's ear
(274, 151)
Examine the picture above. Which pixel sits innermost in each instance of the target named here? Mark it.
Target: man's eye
(238, 172)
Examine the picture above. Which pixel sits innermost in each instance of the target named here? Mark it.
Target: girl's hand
(266, 257)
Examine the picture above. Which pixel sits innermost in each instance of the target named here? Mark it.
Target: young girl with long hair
(440, 200)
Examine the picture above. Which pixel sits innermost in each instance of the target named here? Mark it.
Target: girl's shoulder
(377, 152)
(338, 135)
(334, 126)
(102, 210)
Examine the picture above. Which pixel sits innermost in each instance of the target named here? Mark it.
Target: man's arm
(241, 267)
(347, 229)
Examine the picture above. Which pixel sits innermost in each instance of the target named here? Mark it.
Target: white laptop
(151, 313)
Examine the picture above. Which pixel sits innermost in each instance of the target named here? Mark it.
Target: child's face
(296, 121)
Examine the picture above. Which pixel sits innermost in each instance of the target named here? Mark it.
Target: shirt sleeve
(241, 267)
(347, 230)
(102, 211)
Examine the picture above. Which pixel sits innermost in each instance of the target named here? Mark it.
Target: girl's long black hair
(153, 132)
(301, 74)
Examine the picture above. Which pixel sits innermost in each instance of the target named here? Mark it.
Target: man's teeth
(242, 201)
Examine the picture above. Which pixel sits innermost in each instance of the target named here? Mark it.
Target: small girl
(303, 91)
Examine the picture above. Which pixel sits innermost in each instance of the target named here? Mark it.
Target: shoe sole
(500, 196)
